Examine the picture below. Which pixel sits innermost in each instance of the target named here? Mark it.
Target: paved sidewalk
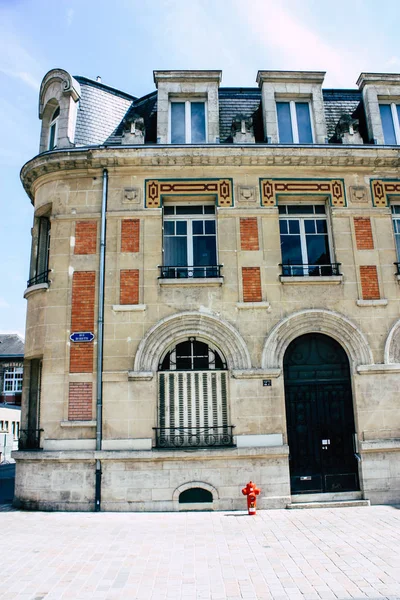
(279, 554)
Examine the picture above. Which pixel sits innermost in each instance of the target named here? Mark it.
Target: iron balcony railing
(178, 272)
(194, 437)
(39, 278)
(397, 267)
(310, 270)
(29, 439)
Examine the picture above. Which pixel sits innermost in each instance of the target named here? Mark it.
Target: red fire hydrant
(251, 491)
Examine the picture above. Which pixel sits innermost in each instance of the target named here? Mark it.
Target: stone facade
(247, 308)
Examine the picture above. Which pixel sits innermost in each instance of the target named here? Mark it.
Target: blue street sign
(82, 336)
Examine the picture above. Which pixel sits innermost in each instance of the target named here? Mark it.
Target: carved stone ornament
(131, 196)
(242, 130)
(358, 194)
(133, 130)
(347, 130)
(246, 193)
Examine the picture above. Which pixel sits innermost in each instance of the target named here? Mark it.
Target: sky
(123, 41)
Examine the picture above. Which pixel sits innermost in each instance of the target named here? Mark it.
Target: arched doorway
(319, 414)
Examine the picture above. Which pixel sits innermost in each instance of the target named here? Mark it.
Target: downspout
(100, 337)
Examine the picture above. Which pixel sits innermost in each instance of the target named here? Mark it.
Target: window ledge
(78, 423)
(39, 287)
(193, 281)
(129, 307)
(140, 375)
(310, 280)
(380, 302)
(379, 369)
(252, 305)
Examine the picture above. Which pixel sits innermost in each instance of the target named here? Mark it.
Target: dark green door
(319, 414)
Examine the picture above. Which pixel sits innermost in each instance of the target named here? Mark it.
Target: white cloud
(295, 44)
(15, 60)
(70, 16)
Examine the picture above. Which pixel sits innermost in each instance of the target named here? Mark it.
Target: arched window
(192, 355)
(53, 129)
(193, 406)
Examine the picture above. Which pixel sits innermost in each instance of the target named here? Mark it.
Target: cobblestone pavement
(278, 554)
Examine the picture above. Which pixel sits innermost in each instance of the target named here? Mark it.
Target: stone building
(214, 294)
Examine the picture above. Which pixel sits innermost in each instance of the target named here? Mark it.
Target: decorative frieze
(271, 189)
(157, 189)
(381, 189)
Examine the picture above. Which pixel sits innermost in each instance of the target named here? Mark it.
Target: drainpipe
(100, 334)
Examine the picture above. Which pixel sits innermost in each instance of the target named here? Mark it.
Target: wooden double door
(320, 418)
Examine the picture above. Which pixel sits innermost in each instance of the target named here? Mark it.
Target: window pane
(319, 209)
(300, 209)
(169, 228)
(181, 227)
(204, 250)
(294, 226)
(184, 349)
(183, 364)
(52, 138)
(189, 210)
(209, 226)
(200, 363)
(282, 210)
(291, 249)
(178, 123)
(317, 249)
(198, 227)
(175, 251)
(397, 238)
(304, 122)
(209, 210)
(387, 124)
(321, 226)
(169, 210)
(284, 123)
(198, 122)
(283, 226)
(309, 226)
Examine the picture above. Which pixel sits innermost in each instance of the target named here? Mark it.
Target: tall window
(13, 380)
(305, 241)
(193, 405)
(294, 122)
(190, 242)
(53, 129)
(396, 226)
(40, 267)
(390, 116)
(188, 122)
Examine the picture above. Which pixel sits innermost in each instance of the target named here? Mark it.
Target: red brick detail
(80, 402)
(369, 282)
(82, 319)
(85, 237)
(130, 233)
(249, 233)
(129, 286)
(363, 231)
(251, 277)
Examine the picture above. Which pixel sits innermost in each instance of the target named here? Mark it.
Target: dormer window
(187, 122)
(294, 122)
(390, 117)
(53, 129)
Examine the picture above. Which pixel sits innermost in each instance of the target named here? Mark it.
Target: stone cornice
(210, 155)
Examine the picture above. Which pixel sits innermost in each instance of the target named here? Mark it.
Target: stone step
(330, 504)
(326, 497)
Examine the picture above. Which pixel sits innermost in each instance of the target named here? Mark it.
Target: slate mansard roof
(102, 110)
(11, 345)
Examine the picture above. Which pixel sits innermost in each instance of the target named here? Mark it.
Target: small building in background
(11, 372)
